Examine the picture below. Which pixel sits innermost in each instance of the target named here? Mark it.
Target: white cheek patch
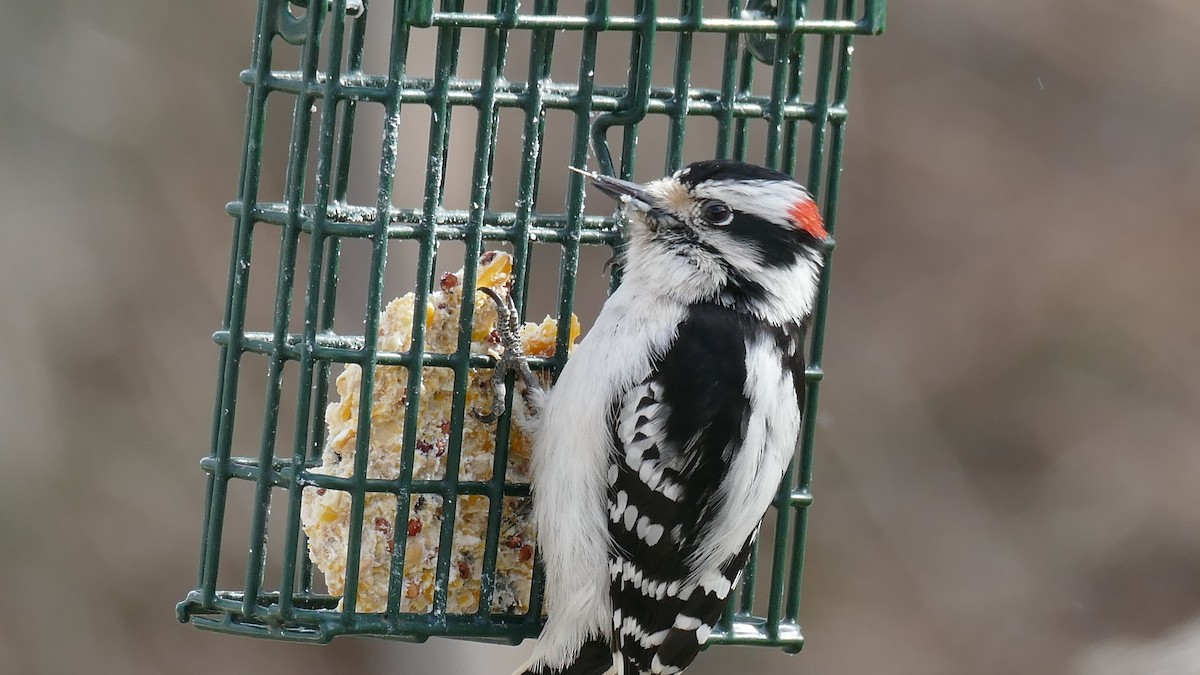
(773, 205)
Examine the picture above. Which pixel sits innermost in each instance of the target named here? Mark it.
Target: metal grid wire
(758, 35)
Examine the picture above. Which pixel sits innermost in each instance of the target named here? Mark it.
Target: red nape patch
(807, 217)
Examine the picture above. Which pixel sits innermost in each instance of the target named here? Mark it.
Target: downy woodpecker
(659, 449)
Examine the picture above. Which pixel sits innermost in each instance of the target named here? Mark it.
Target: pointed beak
(621, 190)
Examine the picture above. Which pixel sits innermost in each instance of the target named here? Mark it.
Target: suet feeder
(764, 81)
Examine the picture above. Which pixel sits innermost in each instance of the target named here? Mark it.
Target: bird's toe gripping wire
(512, 359)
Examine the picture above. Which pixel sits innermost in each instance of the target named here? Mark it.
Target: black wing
(675, 435)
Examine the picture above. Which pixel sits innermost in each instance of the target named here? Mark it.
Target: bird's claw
(512, 359)
(492, 415)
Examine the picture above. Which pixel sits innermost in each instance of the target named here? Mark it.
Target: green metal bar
(779, 138)
(314, 627)
(745, 82)
(281, 471)
(495, 43)
(841, 94)
(690, 11)
(534, 125)
(642, 58)
(447, 57)
(779, 79)
(745, 607)
(573, 235)
(320, 388)
(725, 623)
(728, 88)
(387, 170)
(779, 552)
(821, 106)
(782, 75)
(289, 240)
(397, 59)
(352, 349)
(874, 17)
(633, 106)
(498, 227)
(791, 127)
(665, 24)
(416, 358)
(235, 314)
(555, 96)
(312, 314)
(540, 51)
(332, 258)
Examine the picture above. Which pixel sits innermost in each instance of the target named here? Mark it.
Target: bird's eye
(717, 213)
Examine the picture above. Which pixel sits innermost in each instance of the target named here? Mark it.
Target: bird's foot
(511, 360)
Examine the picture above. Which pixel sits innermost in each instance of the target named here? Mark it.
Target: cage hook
(635, 104)
(294, 29)
(600, 145)
(354, 8)
(762, 46)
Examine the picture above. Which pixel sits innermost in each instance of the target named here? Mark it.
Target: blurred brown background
(1009, 448)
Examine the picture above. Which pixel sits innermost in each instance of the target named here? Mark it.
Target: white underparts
(571, 470)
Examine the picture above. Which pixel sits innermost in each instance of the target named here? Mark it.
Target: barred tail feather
(698, 610)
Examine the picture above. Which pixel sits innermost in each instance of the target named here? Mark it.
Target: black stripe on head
(777, 245)
(727, 169)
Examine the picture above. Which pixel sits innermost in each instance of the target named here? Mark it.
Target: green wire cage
(765, 81)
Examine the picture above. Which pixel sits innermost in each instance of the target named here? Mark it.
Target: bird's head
(722, 231)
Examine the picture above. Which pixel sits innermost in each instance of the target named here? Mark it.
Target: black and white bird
(662, 444)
